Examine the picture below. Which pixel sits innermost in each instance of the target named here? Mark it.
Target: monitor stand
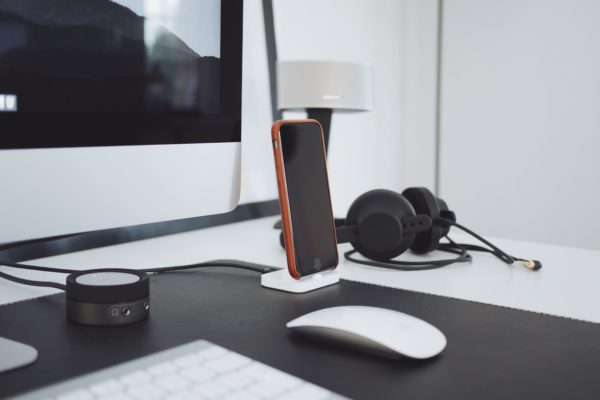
(15, 355)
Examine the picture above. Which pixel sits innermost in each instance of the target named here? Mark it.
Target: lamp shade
(324, 84)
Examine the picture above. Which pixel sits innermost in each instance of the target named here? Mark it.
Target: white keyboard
(197, 370)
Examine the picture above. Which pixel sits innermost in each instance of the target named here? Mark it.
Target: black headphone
(382, 224)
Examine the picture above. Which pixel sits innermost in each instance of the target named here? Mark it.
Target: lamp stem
(323, 115)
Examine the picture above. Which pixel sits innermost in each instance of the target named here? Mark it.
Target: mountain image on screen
(93, 55)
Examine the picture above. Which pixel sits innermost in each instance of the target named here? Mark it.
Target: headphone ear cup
(425, 203)
(444, 207)
(378, 216)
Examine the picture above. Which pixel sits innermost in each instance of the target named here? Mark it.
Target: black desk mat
(492, 353)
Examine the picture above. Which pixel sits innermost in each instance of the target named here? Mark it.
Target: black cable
(214, 263)
(533, 265)
(36, 267)
(263, 269)
(463, 256)
(474, 247)
(494, 249)
(33, 283)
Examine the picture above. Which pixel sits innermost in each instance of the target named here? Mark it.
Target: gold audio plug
(533, 265)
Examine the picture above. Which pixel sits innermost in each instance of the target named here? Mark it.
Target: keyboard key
(172, 383)
(227, 362)
(234, 380)
(77, 395)
(305, 391)
(187, 361)
(265, 389)
(261, 372)
(107, 387)
(116, 396)
(255, 371)
(210, 390)
(197, 373)
(136, 378)
(240, 395)
(161, 369)
(146, 391)
(185, 395)
(211, 352)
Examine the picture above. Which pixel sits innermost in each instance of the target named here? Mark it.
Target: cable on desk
(452, 247)
(213, 263)
(493, 249)
(36, 267)
(531, 264)
(33, 283)
(263, 269)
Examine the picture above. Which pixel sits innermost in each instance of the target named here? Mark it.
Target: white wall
(367, 149)
(521, 118)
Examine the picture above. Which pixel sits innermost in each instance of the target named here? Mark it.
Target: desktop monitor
(117, 112)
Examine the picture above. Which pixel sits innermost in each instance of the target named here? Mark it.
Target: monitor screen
(82, 73)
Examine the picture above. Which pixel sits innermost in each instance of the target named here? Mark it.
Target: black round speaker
(108, 297)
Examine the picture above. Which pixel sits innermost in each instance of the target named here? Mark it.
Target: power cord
(28, 282)
(263, 269)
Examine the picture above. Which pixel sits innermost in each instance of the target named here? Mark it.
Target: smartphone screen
(309, 200)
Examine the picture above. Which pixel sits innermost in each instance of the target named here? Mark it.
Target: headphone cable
(495, 250)
(533, 265)
(463, 256)
(451, 247)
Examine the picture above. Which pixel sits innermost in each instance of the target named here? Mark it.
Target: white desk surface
(568, 285)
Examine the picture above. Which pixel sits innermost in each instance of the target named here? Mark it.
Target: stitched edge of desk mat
(532, 355)
(545, 314)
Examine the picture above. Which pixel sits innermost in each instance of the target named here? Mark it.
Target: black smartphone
(304, 197)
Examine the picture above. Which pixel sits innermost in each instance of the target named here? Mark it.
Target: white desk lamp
(320, 87)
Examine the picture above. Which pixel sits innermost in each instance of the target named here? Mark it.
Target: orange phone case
(284, 204)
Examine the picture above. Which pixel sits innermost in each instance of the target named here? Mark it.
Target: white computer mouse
(373, 329)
